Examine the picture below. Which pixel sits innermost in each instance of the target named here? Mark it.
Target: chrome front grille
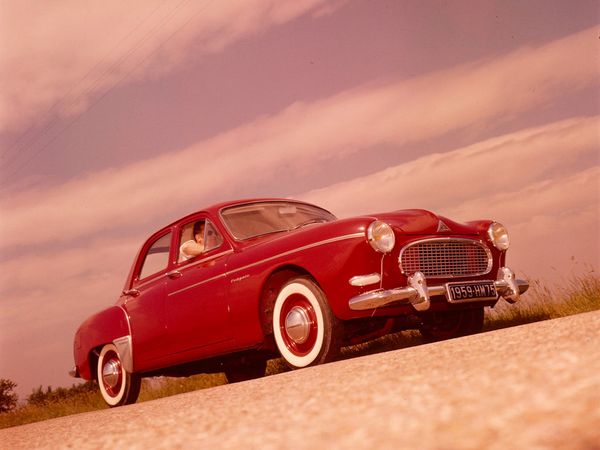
(446, 258)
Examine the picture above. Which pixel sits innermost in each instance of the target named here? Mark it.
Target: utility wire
(118, 81)
(91, 88)
(49, 123)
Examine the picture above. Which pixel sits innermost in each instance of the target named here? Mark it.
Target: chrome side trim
(417, 293)
(124, 348)
(153, 280)
(281, 255)
(185, 267)
(299, 249)
(448, 239)
(129, 351)
(203, 260)
(290, 252)
(364, 280)
(191, 286)
(126, 318)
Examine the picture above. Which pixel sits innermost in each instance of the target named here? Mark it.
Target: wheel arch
(93, 356)
(106, 327)
(271, 287)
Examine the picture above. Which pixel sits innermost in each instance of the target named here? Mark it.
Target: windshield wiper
(308, 222)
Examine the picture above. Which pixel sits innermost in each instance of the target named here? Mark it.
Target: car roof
(214, 210)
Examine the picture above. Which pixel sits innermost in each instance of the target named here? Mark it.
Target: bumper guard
(418, 294)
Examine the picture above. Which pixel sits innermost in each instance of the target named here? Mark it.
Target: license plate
(471, 292)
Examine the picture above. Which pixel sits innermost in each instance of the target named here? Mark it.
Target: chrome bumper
(418, 294)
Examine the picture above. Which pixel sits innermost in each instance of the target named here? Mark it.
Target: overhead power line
(31, 150)
(27, 137)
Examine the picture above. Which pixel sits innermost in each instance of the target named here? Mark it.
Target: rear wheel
(117, 386)
(305, 330)
(450, 324)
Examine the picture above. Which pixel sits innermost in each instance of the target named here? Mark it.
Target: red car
(229, 287)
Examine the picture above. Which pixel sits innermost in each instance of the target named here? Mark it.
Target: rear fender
(108, 326)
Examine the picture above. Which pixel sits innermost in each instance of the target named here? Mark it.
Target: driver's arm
(191, 249)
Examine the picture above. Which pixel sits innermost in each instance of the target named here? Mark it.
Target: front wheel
(450, 324)
(117, 386)
(305, 330)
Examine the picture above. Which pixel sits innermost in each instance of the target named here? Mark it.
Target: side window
(157, 257)
(198, 237)
(213, 238)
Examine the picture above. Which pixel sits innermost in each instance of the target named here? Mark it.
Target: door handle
(131, 292)
(174, 274)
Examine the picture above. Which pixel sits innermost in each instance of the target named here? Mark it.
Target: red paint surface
(213, 306)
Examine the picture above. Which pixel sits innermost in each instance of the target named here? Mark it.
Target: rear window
(157, 257)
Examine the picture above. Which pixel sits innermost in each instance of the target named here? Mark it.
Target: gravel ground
(534, 386)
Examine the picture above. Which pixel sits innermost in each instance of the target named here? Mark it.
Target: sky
(119, 117)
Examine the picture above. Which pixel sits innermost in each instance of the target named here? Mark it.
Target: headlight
(381, 236)
(499, 236)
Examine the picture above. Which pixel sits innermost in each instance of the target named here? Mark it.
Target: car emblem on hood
(442, 227)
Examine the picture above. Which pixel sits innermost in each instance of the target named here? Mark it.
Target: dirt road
(534, 386)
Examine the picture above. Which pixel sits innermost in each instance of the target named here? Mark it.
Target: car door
(145, 302)
(197, 311)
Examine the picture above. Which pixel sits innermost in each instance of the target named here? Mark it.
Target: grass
(580, 294)
(28, 413)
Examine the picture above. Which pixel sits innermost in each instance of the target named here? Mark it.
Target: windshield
(255, 219)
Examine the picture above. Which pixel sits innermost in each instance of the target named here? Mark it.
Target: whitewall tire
(117, 386)
(304, 327)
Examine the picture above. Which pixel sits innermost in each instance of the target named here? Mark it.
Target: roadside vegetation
(579, 295)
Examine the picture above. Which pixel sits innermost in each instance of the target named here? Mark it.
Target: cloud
(77, 267)
(303, 135)
(56, 291)
(553, 227)
(50, 55)
(440, 181)
(540, 182)
(552, 224)
(517, 179)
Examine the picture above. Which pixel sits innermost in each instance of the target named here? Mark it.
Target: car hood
(423, 222)
(313, 232)
(408, 222)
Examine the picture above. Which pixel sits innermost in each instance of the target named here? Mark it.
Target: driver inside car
(195, 246)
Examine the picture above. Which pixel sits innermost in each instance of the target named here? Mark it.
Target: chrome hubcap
(297, 325)
(110, 373)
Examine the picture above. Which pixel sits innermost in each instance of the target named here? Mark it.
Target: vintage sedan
(282, 278)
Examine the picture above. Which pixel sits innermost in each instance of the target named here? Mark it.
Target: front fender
(102, 328)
